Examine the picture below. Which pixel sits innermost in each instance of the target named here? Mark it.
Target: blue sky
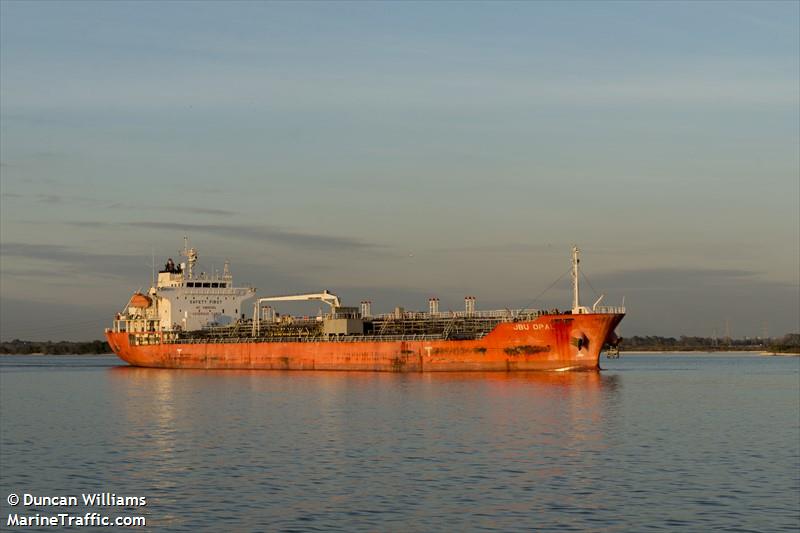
(397, 150)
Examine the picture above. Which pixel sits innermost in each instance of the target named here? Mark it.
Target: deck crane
(324, 296)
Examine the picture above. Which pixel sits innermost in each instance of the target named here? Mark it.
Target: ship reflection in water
(328, 444)
(668, 442)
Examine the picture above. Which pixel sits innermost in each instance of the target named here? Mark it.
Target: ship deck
(391, 327)
(405, 326)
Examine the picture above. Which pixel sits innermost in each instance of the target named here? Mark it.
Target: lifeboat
(140, 300)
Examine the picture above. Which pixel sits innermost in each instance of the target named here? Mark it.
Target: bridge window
(214, 285)
(223, 285)
(206, 285)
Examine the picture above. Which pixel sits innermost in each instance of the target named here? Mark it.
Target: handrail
(609, 310)
(348, 338)
(494, 313)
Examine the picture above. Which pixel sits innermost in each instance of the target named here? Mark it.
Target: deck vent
(469, 305)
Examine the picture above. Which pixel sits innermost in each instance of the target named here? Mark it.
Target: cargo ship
(192, 319)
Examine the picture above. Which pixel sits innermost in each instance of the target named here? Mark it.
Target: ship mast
(191, 255)
(576, 306)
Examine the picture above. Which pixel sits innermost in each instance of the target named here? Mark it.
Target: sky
(401, 150)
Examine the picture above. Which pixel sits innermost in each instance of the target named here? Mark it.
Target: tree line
(787, 343)
(54, 348)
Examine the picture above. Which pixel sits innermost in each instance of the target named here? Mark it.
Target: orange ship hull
(551, 342)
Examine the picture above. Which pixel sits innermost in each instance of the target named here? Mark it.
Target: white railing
(609, 310)
(495, 313)
(307, 338)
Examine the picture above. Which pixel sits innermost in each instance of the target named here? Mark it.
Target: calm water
(654, 442)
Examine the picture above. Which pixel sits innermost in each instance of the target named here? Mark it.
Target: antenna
(191, 256)
(153, 252)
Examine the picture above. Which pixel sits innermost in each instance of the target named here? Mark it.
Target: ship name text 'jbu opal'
(190, 319)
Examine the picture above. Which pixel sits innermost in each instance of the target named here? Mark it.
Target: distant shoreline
(21, 347)
(707, 352)
(41, 354)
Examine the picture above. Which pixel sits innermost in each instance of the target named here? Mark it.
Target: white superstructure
(185, 299)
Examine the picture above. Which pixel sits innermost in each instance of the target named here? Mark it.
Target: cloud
(44, 274)
(275, 235)
(676, 278)
(267, 233)
(196, 210)
(47, 155)
(256, 89)
(76, 260)
(53, 252)
(49, 198)
(199, 210)
(84, 201)
(521, 248)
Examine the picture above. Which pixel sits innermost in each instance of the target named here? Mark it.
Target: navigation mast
(576, 306)
(191, 255)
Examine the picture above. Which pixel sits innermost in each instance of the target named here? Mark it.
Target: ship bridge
(183, 298)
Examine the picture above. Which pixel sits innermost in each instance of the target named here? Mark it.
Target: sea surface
(653, 442)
